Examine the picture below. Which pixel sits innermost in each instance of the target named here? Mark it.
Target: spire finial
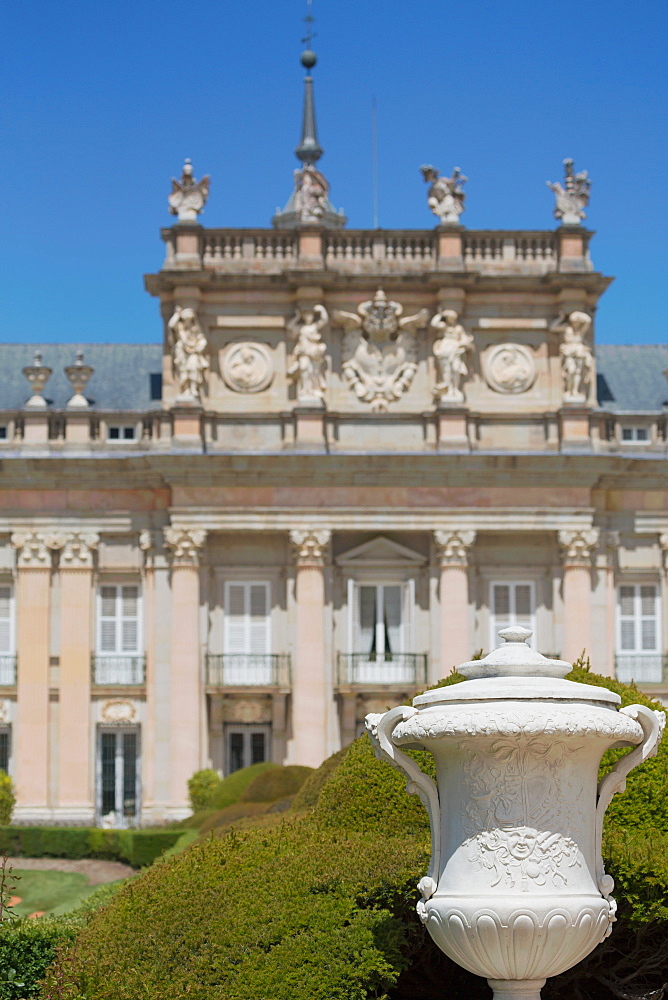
(309, 149)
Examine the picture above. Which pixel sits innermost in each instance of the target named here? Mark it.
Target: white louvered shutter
(247, 621)
(6, 619)
(108, 620)
(118, 619)
(638, 616)
(258, 619)
(129, 614)
(512, 604)
(235, 618)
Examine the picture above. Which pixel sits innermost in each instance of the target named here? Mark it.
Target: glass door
(379, 634)
(118, 777)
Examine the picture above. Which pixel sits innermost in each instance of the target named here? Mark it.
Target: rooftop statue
(445, 197)
(577, 360)
(306, 366)
(450, 348)
(189, 347)
(573, 197)
(380, 350)
(311, 196)
(189, 195)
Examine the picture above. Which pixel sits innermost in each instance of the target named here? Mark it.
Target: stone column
(310, 688)
(148, 741)
(186, 679)
(577, 547)
(31, 740)
(75, 771)
(452, 548)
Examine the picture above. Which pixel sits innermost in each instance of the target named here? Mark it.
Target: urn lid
(514, 659)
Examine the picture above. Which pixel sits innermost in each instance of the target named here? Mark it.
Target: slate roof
(630, 376)
(129, 376)
(126, 377)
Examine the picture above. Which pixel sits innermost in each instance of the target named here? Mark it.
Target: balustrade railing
(248, 670)
(395, 668)
(118, 669)
(222, 247)
(643, 668)
(7, 670)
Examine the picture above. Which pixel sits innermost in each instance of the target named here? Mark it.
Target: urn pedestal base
(516, 989)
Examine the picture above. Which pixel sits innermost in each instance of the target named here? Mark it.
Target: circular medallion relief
(510, 368)
(118, 711)
(247, 366)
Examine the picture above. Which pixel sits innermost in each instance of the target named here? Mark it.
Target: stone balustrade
(369, 251)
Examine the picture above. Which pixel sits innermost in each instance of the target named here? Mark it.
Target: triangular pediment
(381, 551)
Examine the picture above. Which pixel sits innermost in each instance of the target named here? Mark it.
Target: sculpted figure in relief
(445, 196)
(188, 196)
(577, 361)
(311, 193)
(573, 197)
(306, 366)
(189, 347)
(450, 348)
(380, 350)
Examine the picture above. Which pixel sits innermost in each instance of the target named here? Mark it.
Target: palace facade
(355, 457)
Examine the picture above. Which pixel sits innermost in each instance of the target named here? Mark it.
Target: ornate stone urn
(516, 890)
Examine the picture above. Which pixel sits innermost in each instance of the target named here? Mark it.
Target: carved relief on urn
(516, 890)
(380, 350)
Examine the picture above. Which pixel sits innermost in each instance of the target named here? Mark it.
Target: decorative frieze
(310, 545)
(452, 547)
(185, 544)
(577, 546)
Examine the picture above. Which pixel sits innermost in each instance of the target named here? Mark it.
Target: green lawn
(51, 891)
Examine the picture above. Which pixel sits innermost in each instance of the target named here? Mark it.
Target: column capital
(310, 545)
(452, 546)
(185, 545)
(577, 546)
(76, 547)
(663, 543)
(34, 549)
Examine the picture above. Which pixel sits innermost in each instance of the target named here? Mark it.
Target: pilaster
(75, 802)
(186, 710)
(311, 694)
(33, 565)
(452, 551)
(577, 547)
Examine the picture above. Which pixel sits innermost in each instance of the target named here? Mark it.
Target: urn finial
(516, 633)
(514, 658)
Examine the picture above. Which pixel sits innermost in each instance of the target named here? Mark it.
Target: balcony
(363, 669)
(643, 668)
(120, 669)
(7, 670)
(225, 670)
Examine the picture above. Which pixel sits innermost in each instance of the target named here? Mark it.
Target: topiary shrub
(7, 798)
(320, 906)
(232, 787)
(276, 783)
(201, 789)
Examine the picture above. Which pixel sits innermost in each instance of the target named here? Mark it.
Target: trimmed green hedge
(137, 847)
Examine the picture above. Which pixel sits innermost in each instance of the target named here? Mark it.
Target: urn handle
(380, 729)
(652, 725)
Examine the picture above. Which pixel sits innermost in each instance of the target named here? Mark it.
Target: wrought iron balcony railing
(248, 670)
(395, 668)
(118, 669)
(643, 668)
(7, 670)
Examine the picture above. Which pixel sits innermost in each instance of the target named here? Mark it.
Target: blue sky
(103, 100)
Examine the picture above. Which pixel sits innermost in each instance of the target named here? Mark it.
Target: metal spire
(309, 149)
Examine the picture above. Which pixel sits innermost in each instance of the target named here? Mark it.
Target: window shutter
(235, 618)
(6, 620)
(501, 609)
(108, 624)
(258, 639)
(638, 618)
(130, 619)
(118, 621)
(523, 605)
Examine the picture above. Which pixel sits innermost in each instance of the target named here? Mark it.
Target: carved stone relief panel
(248, 710)
(118, 711)
(247, 366)
(509, 368)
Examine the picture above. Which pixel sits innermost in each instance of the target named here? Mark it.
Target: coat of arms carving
(380, 350)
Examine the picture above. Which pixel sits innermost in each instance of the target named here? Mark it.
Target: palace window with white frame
(119, 657)
(639, 655)
(381, 630)
(5, 748)
(121, 432)
(512, 603)
(246, 744)
(635, 434)
(7, 635)
(247, 658)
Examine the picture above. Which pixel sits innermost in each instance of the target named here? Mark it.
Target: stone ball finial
(308, 59)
